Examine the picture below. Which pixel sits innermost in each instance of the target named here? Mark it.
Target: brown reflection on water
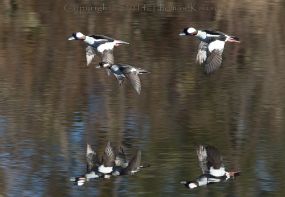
(52, 104)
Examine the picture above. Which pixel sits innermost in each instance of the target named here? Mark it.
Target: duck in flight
(211, 47)
(122, 71)
(213, 170)
(98, 45)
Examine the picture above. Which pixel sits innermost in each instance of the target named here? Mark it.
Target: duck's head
(77, 36)
(188, 31)
(78, 180)
(189, 184)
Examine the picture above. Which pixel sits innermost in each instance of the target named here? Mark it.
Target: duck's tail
(233, 39)
(234, 173)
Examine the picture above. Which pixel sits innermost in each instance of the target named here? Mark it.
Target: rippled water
(51, 104)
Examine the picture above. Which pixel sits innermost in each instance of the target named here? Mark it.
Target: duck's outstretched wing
(214, 158)
(214, 61)
(121, 158)
(90, 54)
(134, 164)
(132, 74)
(92, 159)
(202, 158)
(135, 81)
(108, 156)
(108, 56)
(202, 52)
(214, 56)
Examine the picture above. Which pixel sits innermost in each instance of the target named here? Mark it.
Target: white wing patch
(106, 46)
(217, 44)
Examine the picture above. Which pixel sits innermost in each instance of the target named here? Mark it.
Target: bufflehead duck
(113, 163)
(98, 44)
(211, 47)
(97, 168)
(122, 71)
(213, 170)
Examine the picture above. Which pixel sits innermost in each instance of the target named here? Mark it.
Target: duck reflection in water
(112, 163)
(211, 163)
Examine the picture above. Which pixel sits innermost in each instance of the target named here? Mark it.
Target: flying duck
(122, 71)
(213, 170)
(211, 47)
(98, 45)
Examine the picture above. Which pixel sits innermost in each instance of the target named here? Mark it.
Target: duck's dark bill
(182, 34)
(71, 38)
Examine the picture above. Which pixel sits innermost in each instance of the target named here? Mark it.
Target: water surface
(51, 104)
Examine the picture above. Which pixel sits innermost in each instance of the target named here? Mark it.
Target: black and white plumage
(113, 163)
(98, 45)
(211, 47)
(97, 168)
(211, 164)
(122, 71)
